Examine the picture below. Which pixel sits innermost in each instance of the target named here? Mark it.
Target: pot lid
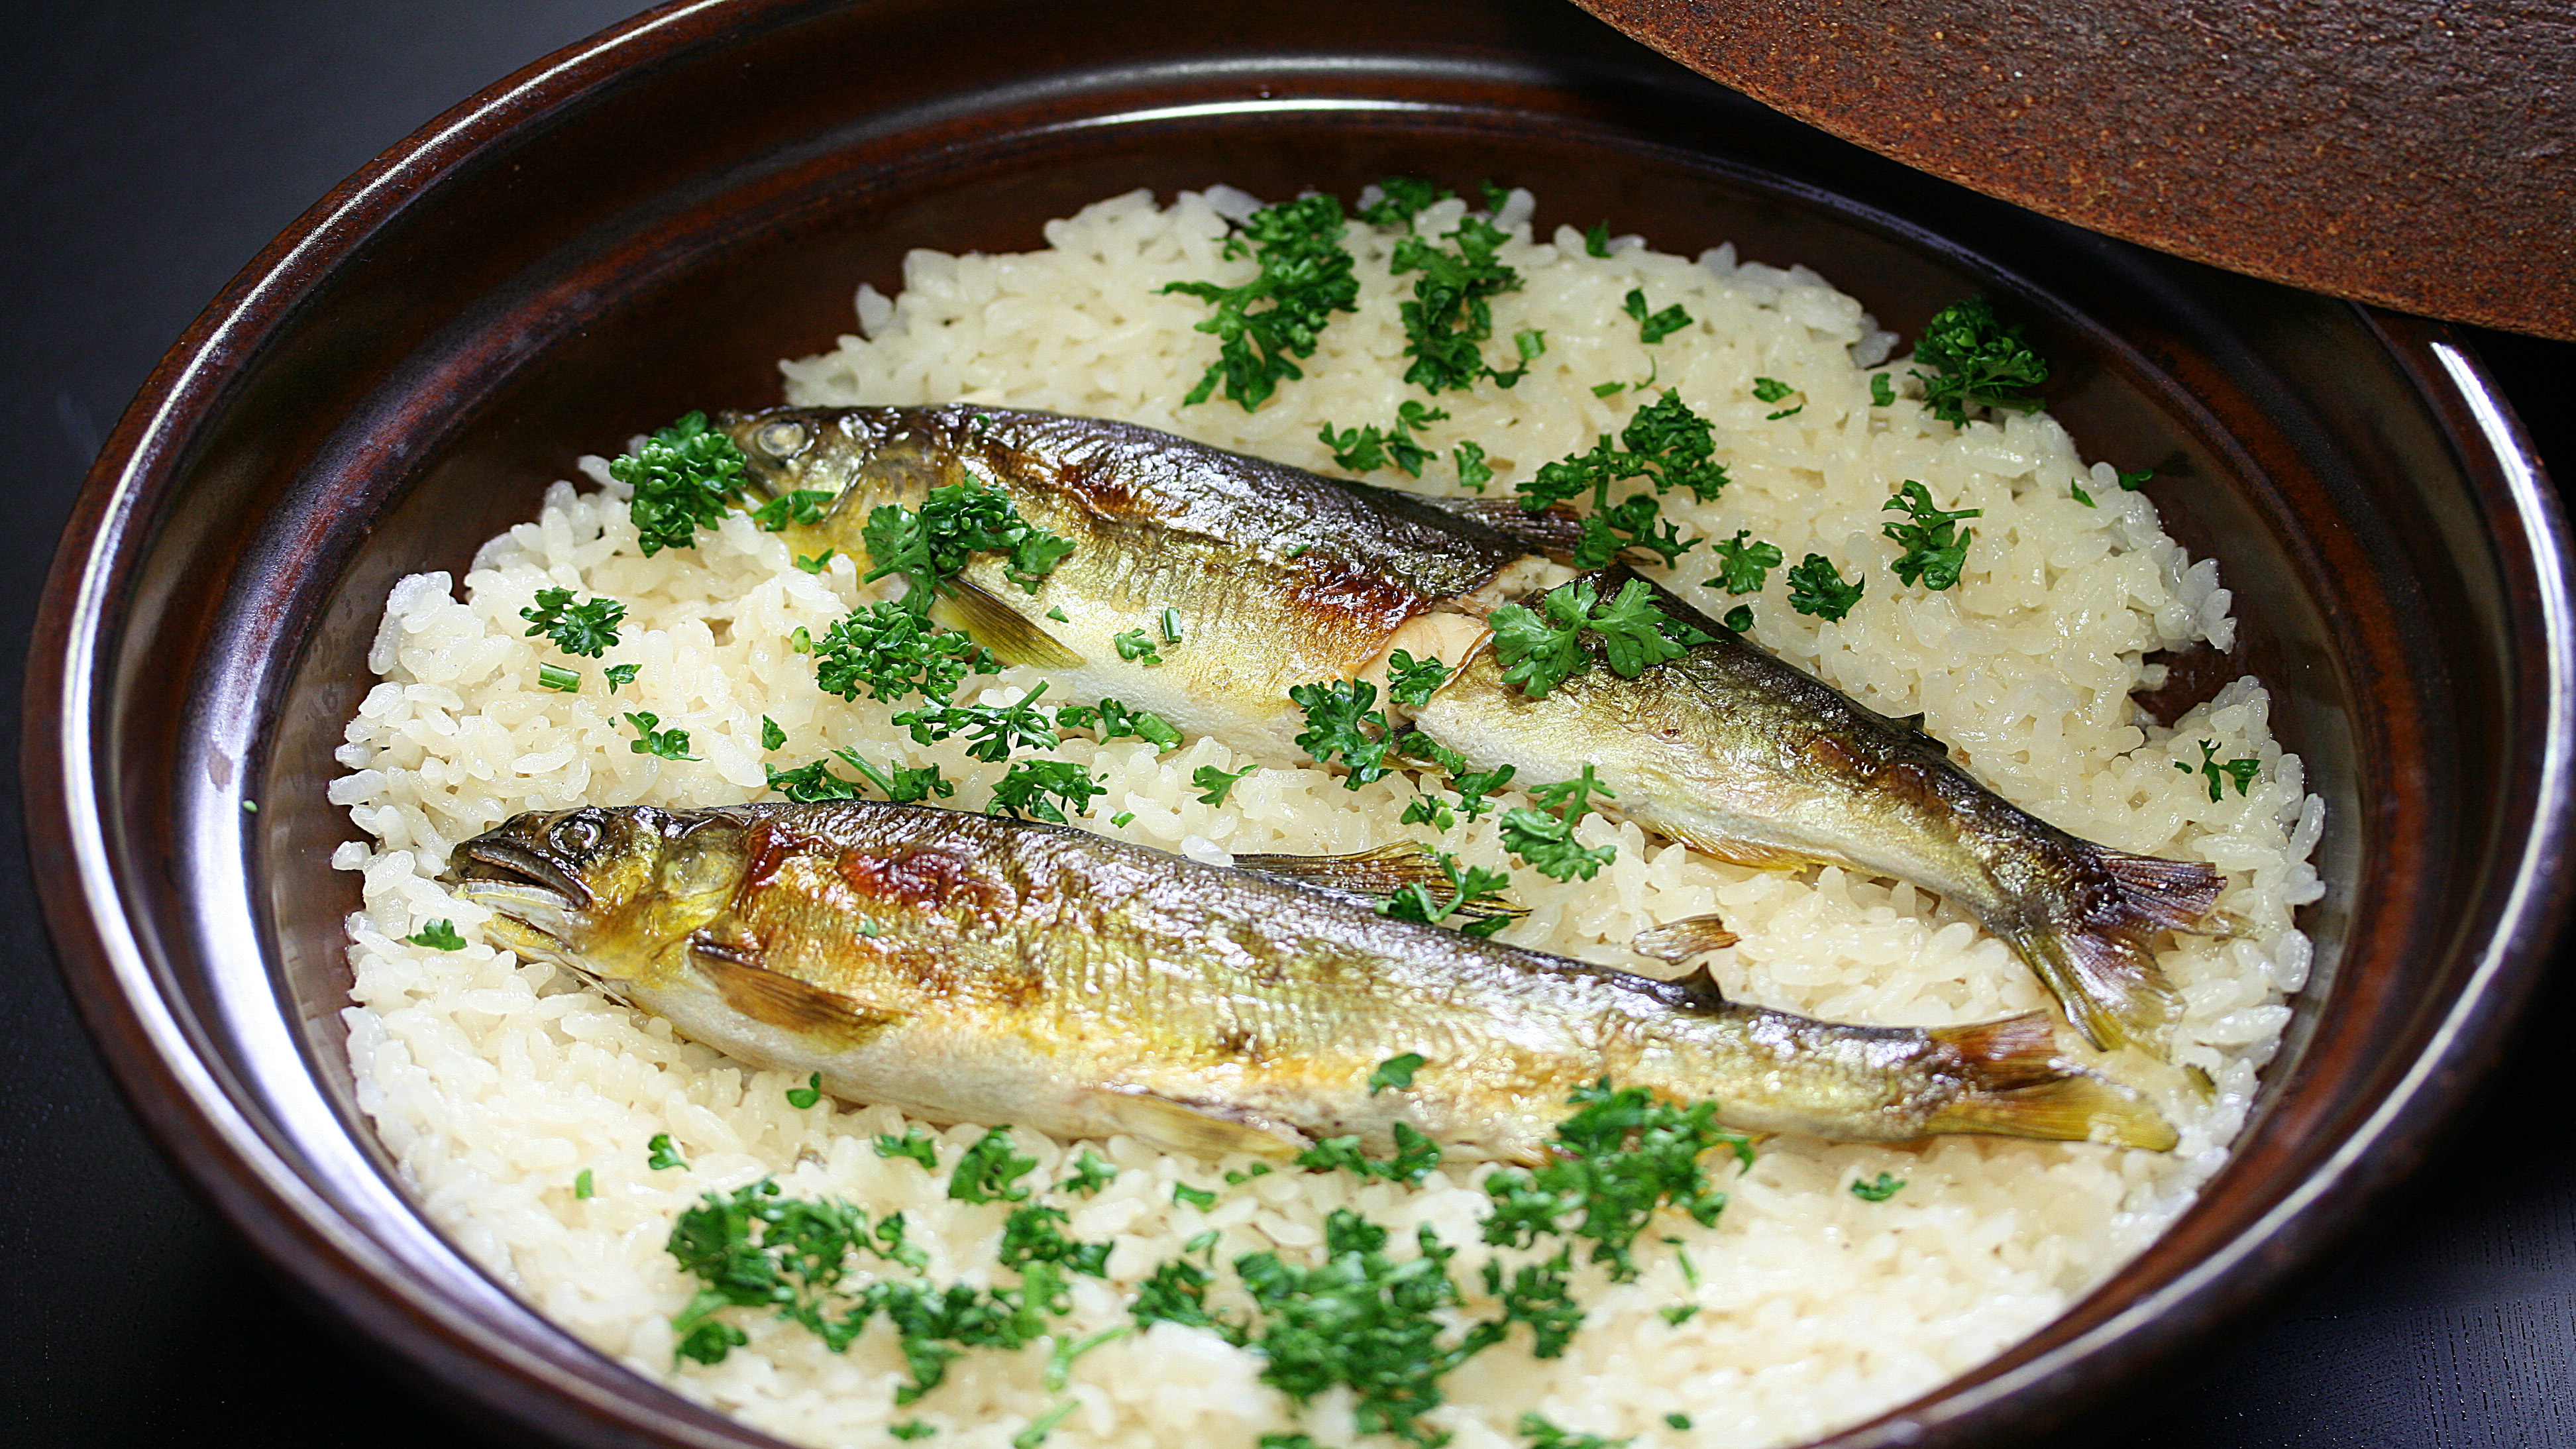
(2418, 154)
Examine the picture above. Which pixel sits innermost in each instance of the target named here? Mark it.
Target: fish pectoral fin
(1753, 855)
(773, 998)
(1678, 941)
(1376, 874)
(1202, 1129)
(989, 620)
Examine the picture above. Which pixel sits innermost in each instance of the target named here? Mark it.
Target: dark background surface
(148, 149)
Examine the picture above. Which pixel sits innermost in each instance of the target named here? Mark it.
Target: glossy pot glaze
(642, 224)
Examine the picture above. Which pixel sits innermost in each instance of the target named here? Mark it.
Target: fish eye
(579, 835)
(781, 439)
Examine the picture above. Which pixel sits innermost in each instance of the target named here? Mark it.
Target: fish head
(612, 894)
(788, 449)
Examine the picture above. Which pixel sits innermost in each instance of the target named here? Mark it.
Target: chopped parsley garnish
(1133, 645)
(1743, 565)
(1771, 390)
(1608, 389)
(1469, 889)
(1539, 649)
(1572, 799)
(1175, 1292)
(441, 935)
(1450, 317)
(1415, 1155)
(1057, 613)
(1665, 443)
(1123, 819)
(1236, 1179)
(916, 1143)
(987, 1171)
(1596, 238)
(1214, 783)
(1341, 722)
(588, 629)
(1655, 327)
(558, 678)
(619, 675)
(1032, 1235)
(1473, 471)
(1112, 720)
(1936, 547)
(797, 508)
(771, 736)
(1545, 1435)
(1882, 391)
(1090, 1174)
(807, 1095)
(1738, 619)
(1815, 587)
(1879, 1191)
(929, 548)
(662, 1156)
(902, 784)
(893, 652)
(1046, 789)
(1365, 450)
(681, 481)
(2244, 771)
(670, 744)
(1197, 1197)
(1546, 844)
(1411, 682)
(1396, 1072)
(1263, 326)
(1473, 788)
(815, 563)
(1365, 1321)
(583, 1190)
(995, 731)
(911, 1429)
(2076, 490)
(1677, 1314)
(1976, 361)
(1623, 1154)
(2132, 482)
(1400, 200)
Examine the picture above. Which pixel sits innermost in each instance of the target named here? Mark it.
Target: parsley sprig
(1264, 325)
(1368, 449)
(683, 478)
(928, 548)
(1450, 316)
(2243, 771)
(1665, 443)
(1541, 648)
(1816, 587)
(1976, 361)
(1936, 548)
(588, 628)
(1742, 565)
(1623, 1154)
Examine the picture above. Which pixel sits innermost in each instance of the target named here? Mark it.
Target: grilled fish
(970, 968)
(1287, 577)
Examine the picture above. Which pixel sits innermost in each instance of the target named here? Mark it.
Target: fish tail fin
(2099, 960)
(2018, 1086)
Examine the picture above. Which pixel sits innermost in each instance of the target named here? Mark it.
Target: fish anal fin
(2017, 1085)
(1376, 873)
(1208, 1130)
(773, 998)
(1678, 941)
(1751, 854)
(989, 620)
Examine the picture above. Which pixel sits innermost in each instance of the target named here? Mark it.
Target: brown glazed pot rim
(238, 1155)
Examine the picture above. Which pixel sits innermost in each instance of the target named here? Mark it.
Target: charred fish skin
(1749, 759)
(1280, 576)
(970, 968)
(1289, 577)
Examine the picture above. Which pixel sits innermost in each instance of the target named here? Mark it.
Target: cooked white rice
(495, 1083)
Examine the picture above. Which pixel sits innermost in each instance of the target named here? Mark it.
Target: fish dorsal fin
(1678, 941)
(1554, 530)
(1208, 1130)
(985, 618)
(733, 966)
(1375, 874)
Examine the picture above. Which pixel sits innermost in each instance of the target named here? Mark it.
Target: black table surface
(148, 149)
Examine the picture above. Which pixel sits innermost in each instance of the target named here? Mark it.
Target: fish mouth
(536, 904)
